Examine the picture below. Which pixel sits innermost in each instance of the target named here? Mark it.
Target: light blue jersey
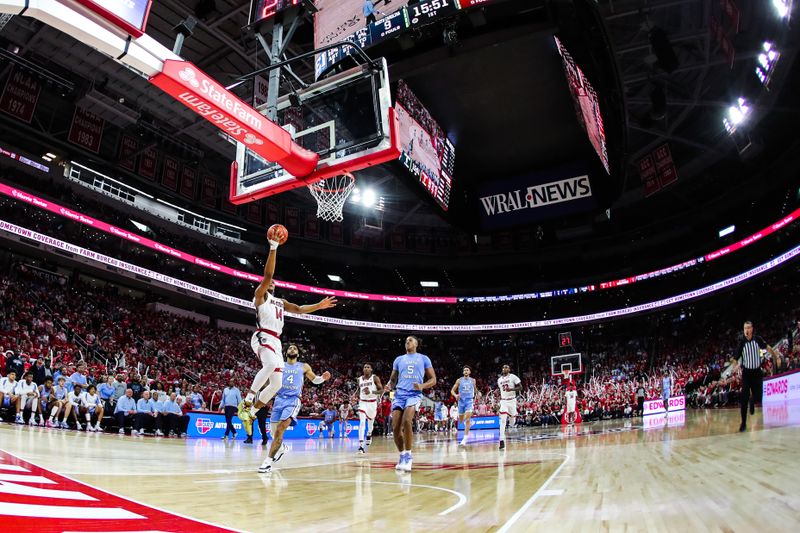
(410, 369)
(466, 389)
(287, 401)
(666, 386)
(466, 395)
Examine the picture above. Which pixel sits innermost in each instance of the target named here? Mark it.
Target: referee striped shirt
(750, 352)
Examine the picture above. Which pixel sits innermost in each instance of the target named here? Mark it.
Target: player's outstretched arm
(312, 377)
(325, 303)
(269, 272)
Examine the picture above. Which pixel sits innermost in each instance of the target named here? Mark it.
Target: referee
(748, 355)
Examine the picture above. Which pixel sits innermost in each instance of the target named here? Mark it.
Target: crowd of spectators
(145, 368)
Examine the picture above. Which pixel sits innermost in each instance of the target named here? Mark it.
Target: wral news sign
(534, 197)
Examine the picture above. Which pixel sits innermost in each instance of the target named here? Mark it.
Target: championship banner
(254, 212)
(169, 174)
(667, 173)
(312, 227)
(148, 163)
(292, 220)
(537, 196)
(397, 241)
(86, 129)
(128, 146)
(208, 196)
(209, 425)
(648, 176)
(273, 214)
(20, 95)
(188, 180)
(335, 232)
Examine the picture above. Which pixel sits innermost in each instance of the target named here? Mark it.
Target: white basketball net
(331, 194)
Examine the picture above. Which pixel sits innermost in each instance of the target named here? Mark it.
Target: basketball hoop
(331, 194)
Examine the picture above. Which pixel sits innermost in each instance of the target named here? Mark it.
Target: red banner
(292, 220)
(335, 232)
(273, 213)
(647, 173)
(128, 146)
(254, 212)
(202, 94)
(228, 207)
(667, 173)
(148, 163)
(312, 227)
(209, 193)
(170, 172)
(188, 180)
(397, 241)
(86, 129)
(20, 95)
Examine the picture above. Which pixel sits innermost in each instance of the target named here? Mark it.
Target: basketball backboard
(347, 119)
(569, 363)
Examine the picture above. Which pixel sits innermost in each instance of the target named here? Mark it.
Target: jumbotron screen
(338, 19)
(425, 149)
(587, 106)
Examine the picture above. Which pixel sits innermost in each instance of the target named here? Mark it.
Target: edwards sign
(534, 197)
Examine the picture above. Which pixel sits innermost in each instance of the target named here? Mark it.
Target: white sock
(513, 421)
(503, 419)
(53, 412)
(250, 397)
(88, 417)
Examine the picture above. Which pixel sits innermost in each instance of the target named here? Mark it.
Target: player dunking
(411, 374)
(287, 404)
(266, 342)
(571, 399)
(370, 389)
(464, 391)
(509, 385)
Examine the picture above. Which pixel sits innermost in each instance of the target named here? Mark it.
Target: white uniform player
(571, 397)
(266, 342)
(508, 384)
(369, 387)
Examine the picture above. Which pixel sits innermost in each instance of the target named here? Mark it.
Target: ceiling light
(334, 277)
(369, 198)
(429, 284)
(727, 231)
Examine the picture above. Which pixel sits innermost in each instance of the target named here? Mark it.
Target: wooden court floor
(695, 472)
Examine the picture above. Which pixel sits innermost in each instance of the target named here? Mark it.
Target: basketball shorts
(438, 417)
(326, 425)
(6, 401)
(403, 401)
(370, 409)
(285, 408)
(665, 399)
(466, 406)
(268, 349)
(508, 407)
(570, 407)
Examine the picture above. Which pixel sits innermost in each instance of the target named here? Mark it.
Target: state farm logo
(780, 386)
(311, 428)
(252, 139)
(189, 76)
(204, 425)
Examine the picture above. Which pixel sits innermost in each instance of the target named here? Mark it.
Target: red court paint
(35, 499)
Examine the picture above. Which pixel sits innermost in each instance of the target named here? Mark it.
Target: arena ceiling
(501, 126)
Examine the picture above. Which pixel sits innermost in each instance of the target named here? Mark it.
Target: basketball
(278, 232)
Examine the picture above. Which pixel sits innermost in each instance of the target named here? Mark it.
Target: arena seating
(66, 321)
